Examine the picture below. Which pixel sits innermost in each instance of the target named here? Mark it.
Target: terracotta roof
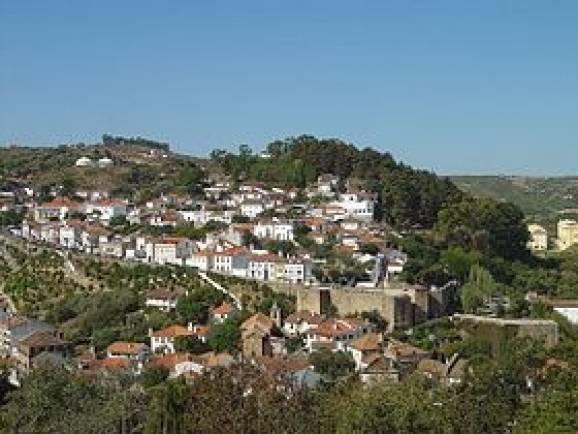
(402, 350)
(305, 316)
(112, 363)
(268, 257)
(284, 365)
(169, 361)
(131, 348)
(233, 251)
(369, 342)
(379, 363)
(432, 367)
(258, 320)
(200, 330)
(313, 221)
(206, 253)
(332, 328)
(60, 202)
(223, 309)
(213, 359)
(172, 331)
(108, 202)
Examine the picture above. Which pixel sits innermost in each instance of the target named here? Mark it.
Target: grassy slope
(540, 198)
(53, 165)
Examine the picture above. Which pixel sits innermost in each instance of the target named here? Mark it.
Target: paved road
(221, 288)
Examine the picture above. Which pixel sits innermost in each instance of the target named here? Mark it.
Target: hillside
(139, 167)
(540, 198)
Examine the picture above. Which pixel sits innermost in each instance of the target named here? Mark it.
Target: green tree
(332, 365)
(153, 376)
(190, 344)
(225, 336)
(478, 289)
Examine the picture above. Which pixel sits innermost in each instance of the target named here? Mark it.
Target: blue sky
(453, 86)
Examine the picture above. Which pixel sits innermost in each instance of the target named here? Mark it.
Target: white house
(83, 162)
(202, 216)
(334, 333)
(233, 261)
(172, 250)
(538, 238)
(49, 233)
(251, 208)
(91, 237)
(365, 348)
(222, 312)
(163, 299)
(58, 208)
(265, 267)
(296, 271)
(203, 260)
(163, 341)
(280, 231)
(107, 209)
(299, 323)
(69, 236)
(104, 162)
(135, 351)
(112, 247)
(326, 184)
(178, 364)
(358, 205)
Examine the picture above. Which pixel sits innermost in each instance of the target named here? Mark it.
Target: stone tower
(276, 315)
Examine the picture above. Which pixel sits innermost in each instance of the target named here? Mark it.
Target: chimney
(150, 332)
(190, 326)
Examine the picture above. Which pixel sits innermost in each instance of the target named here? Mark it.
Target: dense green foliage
(109, 140)
(408, 197)
(226, 335)
(493, 397)
(332, 365)
(10, 218)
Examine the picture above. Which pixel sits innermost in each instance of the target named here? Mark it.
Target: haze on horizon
(456, 87)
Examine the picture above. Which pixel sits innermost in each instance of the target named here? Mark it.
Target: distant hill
(539, 198)
(136, 165)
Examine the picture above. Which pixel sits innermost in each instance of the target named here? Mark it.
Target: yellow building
(567, 233)
(538, 238)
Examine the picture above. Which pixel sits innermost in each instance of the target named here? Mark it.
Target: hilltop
(137, 165)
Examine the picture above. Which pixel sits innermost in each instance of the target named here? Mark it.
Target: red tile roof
(129, 348)
(112, 363)
(333, 328)
(223, 309)
(172, 331)
(169, 361)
